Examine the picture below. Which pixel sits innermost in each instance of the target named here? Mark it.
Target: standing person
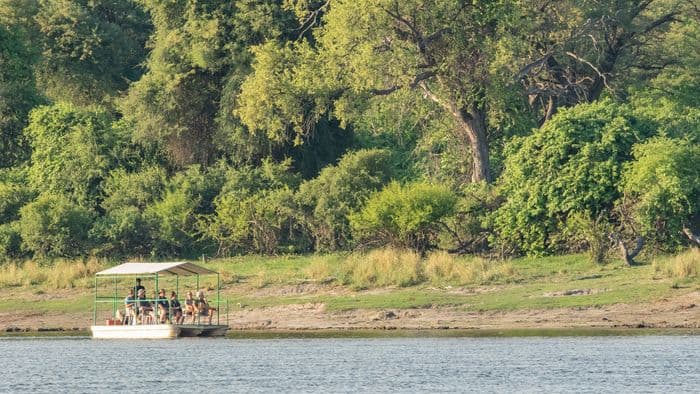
(176, 308)
(163, 306)
(138, 286)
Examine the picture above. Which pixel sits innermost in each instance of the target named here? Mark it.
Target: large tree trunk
(473, 126)
(627, 256)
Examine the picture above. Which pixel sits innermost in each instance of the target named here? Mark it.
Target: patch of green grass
(527, 283)
(82, 303)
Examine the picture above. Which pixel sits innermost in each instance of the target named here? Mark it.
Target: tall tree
(452, 52)
(17, 95)
(199, 55)
(89, 49)
(578, 49)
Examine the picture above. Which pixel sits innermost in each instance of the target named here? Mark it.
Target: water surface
(588, 364)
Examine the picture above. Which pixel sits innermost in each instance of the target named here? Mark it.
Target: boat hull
(157, 331)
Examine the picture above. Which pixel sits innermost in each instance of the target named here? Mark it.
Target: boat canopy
(181, 268)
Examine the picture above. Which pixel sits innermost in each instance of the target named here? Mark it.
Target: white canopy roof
(181, 268)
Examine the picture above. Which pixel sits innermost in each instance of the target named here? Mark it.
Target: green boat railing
(118, 302)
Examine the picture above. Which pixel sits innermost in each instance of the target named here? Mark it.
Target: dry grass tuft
(384, 267)
(319, 269)
(11, 275)
(442, 268)
(60, 275)
(684, 265)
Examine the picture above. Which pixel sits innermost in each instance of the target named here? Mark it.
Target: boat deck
(158, 331)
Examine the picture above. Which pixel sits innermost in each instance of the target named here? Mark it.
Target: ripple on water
(580, 364)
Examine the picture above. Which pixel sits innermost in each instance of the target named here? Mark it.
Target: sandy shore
(679, 312)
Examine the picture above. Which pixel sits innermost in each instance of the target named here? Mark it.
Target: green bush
(10, 241)
(327, 200)
(201, 185)
(124, 229)
(173, 222)
(572, 164)
(469, 228)
(70, 151)
(124, 232)
(256, 212)
(54, 226)
(663, 187)
(13, 196)
(407, 216)
(139, 189)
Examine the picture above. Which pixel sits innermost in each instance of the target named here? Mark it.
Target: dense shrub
(202, 185)
(124, 229)
(572, 164)
(70, 151)
(173, 223)
(406, 216)
(10, 241)
(52, 226)
(255, 211)
(469, 228)
(124, 232)
(663, 187)
(123, 189)
(327, 200)
(13, 196)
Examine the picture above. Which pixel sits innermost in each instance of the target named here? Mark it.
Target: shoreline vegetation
(391, 290)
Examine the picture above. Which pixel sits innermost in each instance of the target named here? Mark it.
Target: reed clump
(441, 268)
(403, 268)
(320, 269)
(61, 274)
(682, 266)
(384, 267)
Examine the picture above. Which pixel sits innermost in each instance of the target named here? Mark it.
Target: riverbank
(366, 333)
(676, 311)
(286, 294)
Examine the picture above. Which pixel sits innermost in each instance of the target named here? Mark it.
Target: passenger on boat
(144, 307)
(138, 286)
(203, 307)
(129, 310)
(163, 307)
(176, 309)
(190, 307)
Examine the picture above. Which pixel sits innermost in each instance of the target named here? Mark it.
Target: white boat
(158, 331)
(113, 327)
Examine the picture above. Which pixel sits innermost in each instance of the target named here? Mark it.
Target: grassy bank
(383, 279)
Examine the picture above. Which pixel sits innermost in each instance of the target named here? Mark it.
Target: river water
(668, 364)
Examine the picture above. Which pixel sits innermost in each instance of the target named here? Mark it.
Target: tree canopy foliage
(213, 127)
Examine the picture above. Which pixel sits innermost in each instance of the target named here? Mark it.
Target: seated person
(176, 309)
(145, 309)
(163, 307)
(129, 308)
(203, 307)
(190, 307)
